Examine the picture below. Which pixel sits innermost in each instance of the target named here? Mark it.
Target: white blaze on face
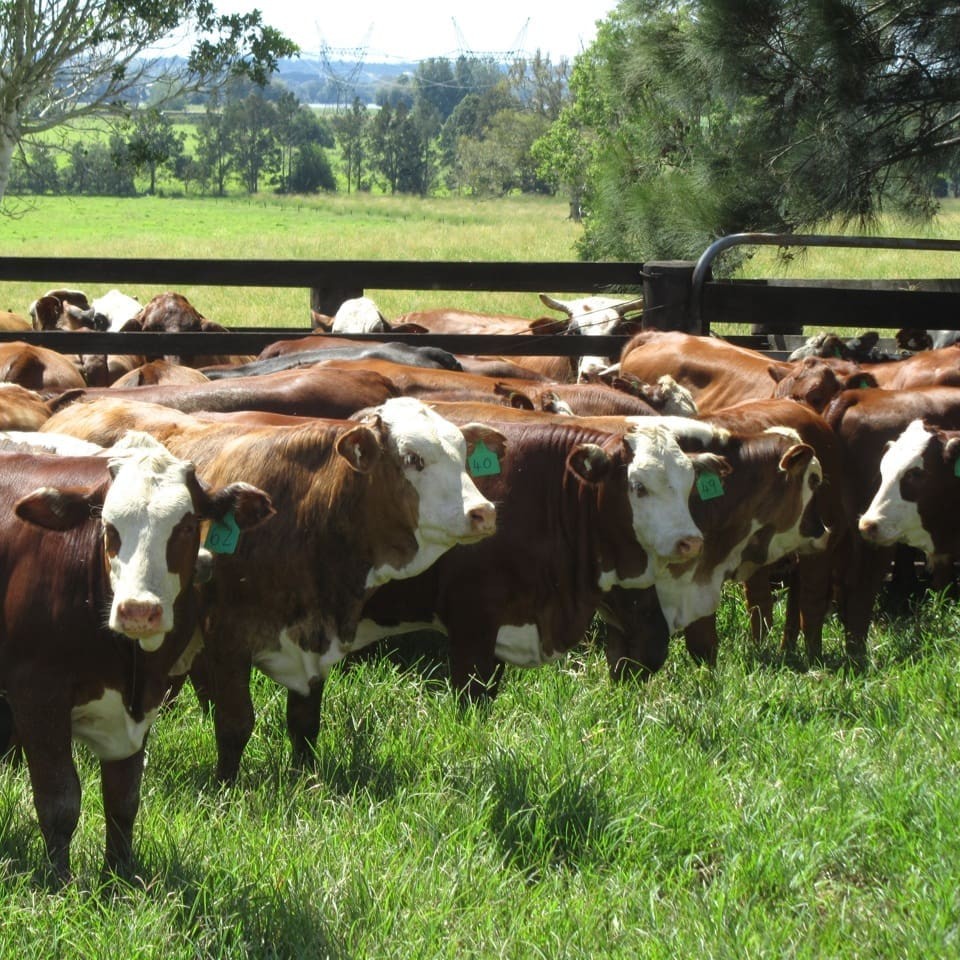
(590, 316)
(433, 453)
(660, 477)
(893, 518)
(146, 500)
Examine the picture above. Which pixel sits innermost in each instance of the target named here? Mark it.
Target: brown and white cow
(359, 503)
(582, 511)
(97, 557)
(865, 421)
(918, 476)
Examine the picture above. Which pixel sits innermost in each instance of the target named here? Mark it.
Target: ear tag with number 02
(223, 535)
(709, 486)
(483, 461)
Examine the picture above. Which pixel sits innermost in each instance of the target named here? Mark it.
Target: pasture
(752, 810)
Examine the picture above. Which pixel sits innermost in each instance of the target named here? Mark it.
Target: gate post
(667, 289)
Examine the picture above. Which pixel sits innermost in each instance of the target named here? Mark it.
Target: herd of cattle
(203, 516)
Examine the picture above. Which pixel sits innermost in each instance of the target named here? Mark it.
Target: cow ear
(777, 373)
(57, 509)
(710, 463)
(250, 505)
(493, 440)
(951, 451)
(360, 447)
(320, 321)
(589, 462)
(861, 381)
(407, 328)
(795, 460)
(211, 326)
(134, 323)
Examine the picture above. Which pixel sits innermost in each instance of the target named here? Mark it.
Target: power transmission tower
(342, 65)
(498, 56)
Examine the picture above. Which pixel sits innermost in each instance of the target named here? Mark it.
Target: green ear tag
(864, 384)
(223, 535)
(709, 486)
(956, 467)
(483, 462)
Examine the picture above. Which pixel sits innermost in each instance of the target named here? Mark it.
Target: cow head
(815, 381)
(150, 516)
(430, 455)
(918, 477)
(595, 316)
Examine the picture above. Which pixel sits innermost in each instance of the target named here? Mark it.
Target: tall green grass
(748, 811)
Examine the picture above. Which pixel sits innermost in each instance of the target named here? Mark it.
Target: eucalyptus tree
(65, 60)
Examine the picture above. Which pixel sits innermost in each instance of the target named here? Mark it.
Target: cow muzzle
(141, 620)
(482, 521)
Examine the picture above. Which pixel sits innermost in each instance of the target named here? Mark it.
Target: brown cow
(312, 391)
(360, 503)
(113, 541)
(865, 421)
(582, 510)
(20, 408)
(720, 374)
(38, 368)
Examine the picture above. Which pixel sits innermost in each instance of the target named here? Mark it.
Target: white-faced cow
(97, 556)
(359, 504)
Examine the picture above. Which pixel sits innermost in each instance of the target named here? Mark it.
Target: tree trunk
(8, 143)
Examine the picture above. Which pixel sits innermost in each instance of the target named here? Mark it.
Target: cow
(20, 408)
(360, 503)
(865, 421)
(97, 556)
(918, 475)
(157, 372)
(720, 374)
(940, 367)
(11, 322)
(583, 509)
(62, 309)
(313, 391)
(38, 368)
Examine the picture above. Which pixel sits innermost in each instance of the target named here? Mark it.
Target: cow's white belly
(521, 646)
(294, 667)
(106, 727)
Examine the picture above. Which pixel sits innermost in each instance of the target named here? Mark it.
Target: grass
(748, 811)
(336, 227)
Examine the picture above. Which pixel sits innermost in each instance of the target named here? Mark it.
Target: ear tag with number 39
(483, 462)
(223, 535)
(709, 486)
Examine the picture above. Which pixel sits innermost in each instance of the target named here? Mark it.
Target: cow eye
(413, 460)
(111, 539)
(640, 489)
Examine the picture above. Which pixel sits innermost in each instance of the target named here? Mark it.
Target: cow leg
(200, 680)
(702, 640)
(638, 639)
(859, 593)
(232, 714)
(56, 794)
(303, 724)
(811, 583)
(120, 784)
(475, 671)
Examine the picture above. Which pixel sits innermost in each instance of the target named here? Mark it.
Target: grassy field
(751, 811)
(337, 227)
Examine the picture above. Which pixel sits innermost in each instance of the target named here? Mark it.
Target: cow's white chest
(521, 646)
(609, 579)
(692, 595)
(106, 727)
(295, 667)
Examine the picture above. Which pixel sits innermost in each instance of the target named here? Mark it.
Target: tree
(35, 171)
(311, 170)
(63, 60)
(151, 142)
(350, 130)
(715, 116)
(249, 126)
(213, 149)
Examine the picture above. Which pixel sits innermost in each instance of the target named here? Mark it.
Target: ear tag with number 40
(223, 535)
(709, 486)
(483, 462)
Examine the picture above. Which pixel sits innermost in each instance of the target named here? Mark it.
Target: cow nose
(689, 547)
(869, 529)
(483, 520)
(140, 617)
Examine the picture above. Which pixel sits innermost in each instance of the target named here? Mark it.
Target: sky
(392, 31)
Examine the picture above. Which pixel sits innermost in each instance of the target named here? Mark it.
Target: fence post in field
(667, 287)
